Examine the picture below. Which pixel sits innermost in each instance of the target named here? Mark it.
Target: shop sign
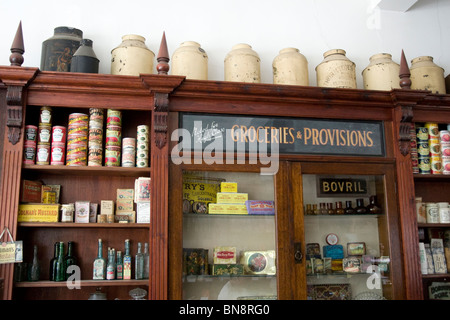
(233, 133)
(328, 186)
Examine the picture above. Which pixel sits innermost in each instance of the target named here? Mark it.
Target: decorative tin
(336, 70)
(444, 212)
(112, 158)
(132, 57)
(195, 261)
(259, 262)
(84, 59)
(190, 60)
(95, 157)
(113, 118)
(351, 264)
(57, 51)
(422, 134)
(356, 248)
(290, 67)
(333, 251)
(242, 64)
(382, 73)
(432, 211)
(424, 165)
(224, 255)
(426, 75)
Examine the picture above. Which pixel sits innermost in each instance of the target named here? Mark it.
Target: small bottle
(99, 263)
(52, 269)
(348, 208)
(309, 209)
(323, 208)
(127, 261)
(360, 208)
(373, 206)
(69, 259)
(111, 267)
(316, 210)
(60, 273)
(339, 209)
(119, 266)
(146, 261)
(139, 263)
(34, 271)
(330, 209)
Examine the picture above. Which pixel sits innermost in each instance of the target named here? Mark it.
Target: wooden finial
(163, 57)
(17, 48)
(404, 74)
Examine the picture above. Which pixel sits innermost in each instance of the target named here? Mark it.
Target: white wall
(313, 26)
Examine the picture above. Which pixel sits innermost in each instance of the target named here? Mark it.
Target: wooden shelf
(433, 225)
(83, 283)
(432, 176)
(82, 225)
(436, 276)
(88, 171)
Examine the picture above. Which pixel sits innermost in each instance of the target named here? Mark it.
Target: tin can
(113, 138)
(444, 135)
(49, 197)
(78, 119)
(422, 134)
(143, 128)
(95, 136)
(423, 149)
(112, 158)
(95, 157)
(57, 154)
(435, 147)
(433, 130)
(31, 133)
(113, 117)
(44, 134)
(444, 212)
(96, 115)
(129, 143)
(101, 218)
(67, 211)
(446, 165)
(432, 210)
(424, 165)
(142, 163)
(59, 134)
(129, 159)
(436, 165)
(45, 117)
(76, 139)
(29, 153)
(445, 149)
(43, 154)
(83, 130)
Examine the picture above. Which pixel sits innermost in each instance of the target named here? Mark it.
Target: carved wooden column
(15, 78)
(160, 86)
(403, 120)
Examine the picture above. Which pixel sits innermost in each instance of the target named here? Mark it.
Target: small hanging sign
(10, 251)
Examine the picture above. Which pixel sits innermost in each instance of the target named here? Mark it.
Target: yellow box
(229, 197)
(38, 213)
(228, 187)
(225, 208)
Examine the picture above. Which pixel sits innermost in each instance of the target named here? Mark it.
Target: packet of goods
(260, 207)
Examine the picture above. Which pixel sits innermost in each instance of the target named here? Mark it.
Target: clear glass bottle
(52, 269)
(69, 259)
(127, 261)
(316, 210)
(34, 271)
(60, 273)
(323, 208)
(139, 263)
(119, 266)
(360, 208)
(348, 208)
(111, 267)
(339, 208)
(146, 261)
(373, 206)
(330, 209)
(99, 263)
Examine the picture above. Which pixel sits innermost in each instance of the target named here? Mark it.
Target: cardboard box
(228, 187)
(143, 212)
(125, 194)
(31, 191)
(125, 216)
(107, 207)
(230, 197)
(124, 205)
(82, 209)
(37, 212)
(224, 208)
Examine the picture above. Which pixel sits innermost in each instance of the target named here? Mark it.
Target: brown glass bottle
(309, 210)
(348, 208)
(330, 208)
(373, 206)
(339, 209)
(323, 208)
(316, 210)
(360, 208)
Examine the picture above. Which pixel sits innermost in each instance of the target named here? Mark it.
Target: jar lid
(334, 51)
(69, 30)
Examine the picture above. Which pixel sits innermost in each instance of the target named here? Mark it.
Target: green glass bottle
(111, 267)
(119, 266)
(70, 258)
(146, 261)
(34, 271)
(99, 263)
(60, 272)
(52, 270)
(127, 261)
(139, 263)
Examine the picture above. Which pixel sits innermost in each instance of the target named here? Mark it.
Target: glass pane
(347, 254)
(229, 251)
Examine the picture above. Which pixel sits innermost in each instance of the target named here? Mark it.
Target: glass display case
(229, 239)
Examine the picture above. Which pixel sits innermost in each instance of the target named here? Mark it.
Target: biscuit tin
(259, 262)
(227, 269)
(195, 261)
(224, 255)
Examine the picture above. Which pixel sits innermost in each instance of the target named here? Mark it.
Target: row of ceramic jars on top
(242, 64)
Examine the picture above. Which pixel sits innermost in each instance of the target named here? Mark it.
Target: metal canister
(45, 117)
(57, 154)
(43, 154)
(424, 165)
(59, 134)
(423, 149)
(432, 210)
(446, 165)
(433, 130)
(29, 152)
(77, 119)
(31, 133)
(113, 118)
(113, 138)
(44, 134)
(435, 147)
(95, 156)
(436, 164)
(112, 158)
(49, 197)
(95, 136)
(422, 134)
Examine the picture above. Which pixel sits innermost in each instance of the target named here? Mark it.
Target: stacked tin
(77, 140)
(129, 152)
(29, 147)
(445, 149)
(58, 148)
(413, 149)
(44, 136)
(435, 147)
(113, 138)
(142, 146)
(423, 150)
(95, 142)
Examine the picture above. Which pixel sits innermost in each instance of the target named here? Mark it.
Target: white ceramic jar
(290, 67)
(336, 70)
(242, 64)
(382, 73)
(426, 75)
(132, 57)
(190, 60)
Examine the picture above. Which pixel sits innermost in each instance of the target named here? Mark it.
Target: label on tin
(59, 134)
(424, 165)
(46, 115)
(432, 213)
(57, 154)
(422, 134)
(43, 153)
(31, 133)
